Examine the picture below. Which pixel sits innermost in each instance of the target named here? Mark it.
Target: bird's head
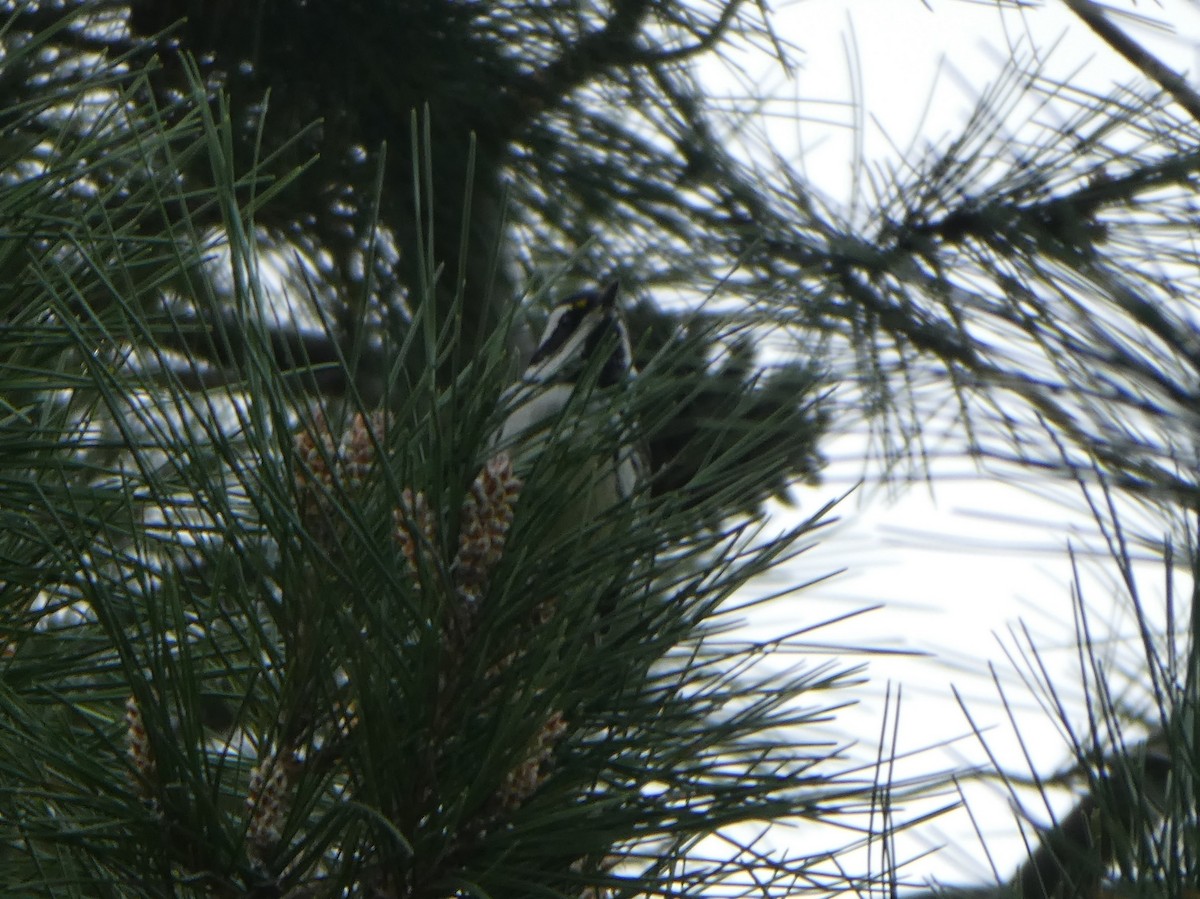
(580, 326)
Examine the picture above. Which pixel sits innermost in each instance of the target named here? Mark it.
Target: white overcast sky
(962, 564)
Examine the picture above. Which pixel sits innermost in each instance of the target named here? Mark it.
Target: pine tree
(276, 620)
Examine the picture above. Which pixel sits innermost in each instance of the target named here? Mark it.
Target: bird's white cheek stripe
(545, 369)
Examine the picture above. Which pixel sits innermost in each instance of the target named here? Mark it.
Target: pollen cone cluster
(329, 464)
(268, 800)
(141, 754)
(487, 515)
(484, 524)
(330, 468)
(416, 531)
(523, 780)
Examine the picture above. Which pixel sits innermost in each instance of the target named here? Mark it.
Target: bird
(584, 346)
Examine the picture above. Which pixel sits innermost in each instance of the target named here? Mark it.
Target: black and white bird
(542, 406)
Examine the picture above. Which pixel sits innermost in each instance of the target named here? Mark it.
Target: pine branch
(596, 52)
(1093, 15)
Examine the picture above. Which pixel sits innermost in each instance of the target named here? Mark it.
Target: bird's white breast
(532, 408)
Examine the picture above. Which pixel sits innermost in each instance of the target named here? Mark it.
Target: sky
(974, 568)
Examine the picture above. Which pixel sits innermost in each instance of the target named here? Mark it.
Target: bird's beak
(608, 296)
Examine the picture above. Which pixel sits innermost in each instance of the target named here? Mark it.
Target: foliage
(259, 263)
(260, 642)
